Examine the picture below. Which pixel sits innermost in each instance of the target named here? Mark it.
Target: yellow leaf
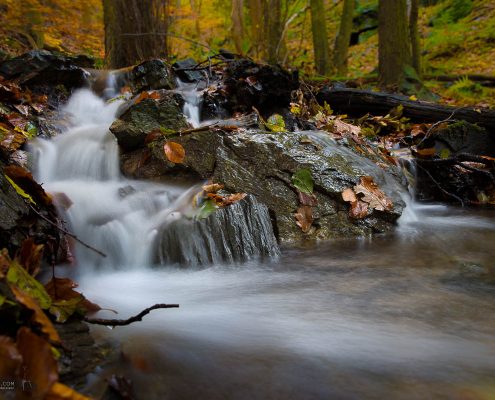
(413, 98)
(62, 392)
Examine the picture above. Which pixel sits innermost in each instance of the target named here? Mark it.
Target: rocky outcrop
(262, 164)
(138, 120)
(153, 74)
(235, 233)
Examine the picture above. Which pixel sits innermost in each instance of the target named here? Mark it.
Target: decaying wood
(128, 321)
(360, 102)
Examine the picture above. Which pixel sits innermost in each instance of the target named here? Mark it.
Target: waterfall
(128, 219)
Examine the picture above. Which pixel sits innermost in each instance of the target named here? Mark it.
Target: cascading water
(405, 315)
(114, 214)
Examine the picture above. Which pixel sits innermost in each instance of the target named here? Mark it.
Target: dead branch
(128, 321)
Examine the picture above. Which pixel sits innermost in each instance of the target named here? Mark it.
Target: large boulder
(138, 120)
(152, 74)
(263, 163)
(239, 232)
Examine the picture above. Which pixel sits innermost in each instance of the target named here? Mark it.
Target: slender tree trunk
(274, 28)
(394, 50)
(134, 30)
(237, 29)
(343, 38)
(414, 34)
(257, 28)
(320, 37)
(33, 24)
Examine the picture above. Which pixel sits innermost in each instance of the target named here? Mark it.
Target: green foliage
(275, 123)
(453, 11)
(303, 181)
(19, 277)
(466, 90)
(207, 208)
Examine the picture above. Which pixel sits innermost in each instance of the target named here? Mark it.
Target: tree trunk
(237, 28)
(343, 38)
(257, 28)
(320, 37)
(135, 30)
(394, 49)
(274, 28)
(414, 34)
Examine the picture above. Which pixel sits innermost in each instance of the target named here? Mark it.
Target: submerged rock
(239, 232)
(263, 163)
(134, 124)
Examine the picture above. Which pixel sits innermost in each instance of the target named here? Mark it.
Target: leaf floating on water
(373, 195)
(275, 123)
(304, 218)
(303, 181)
(174, 152)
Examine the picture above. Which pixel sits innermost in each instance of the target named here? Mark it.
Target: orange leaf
(174, 152)
(63, 289)
(349, 195)
(358, 210)
(375, 198)
(40, 367)
(61, 392)
(39, 316)
(304, 218)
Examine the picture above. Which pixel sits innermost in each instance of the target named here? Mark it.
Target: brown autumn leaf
(306, 199)
(424, 153)
(213, 187)
(29, 256)
(174, 152)
(40, 367)
(147, 95)
(10, 359)
(10, 140)
(304, 218)
(17, 120)
(39, 317)
(59, 391)
(224, 201)
(358, 210)
(375, 198)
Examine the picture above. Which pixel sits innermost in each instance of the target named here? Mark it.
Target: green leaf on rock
(207, 208)
(276, 123)
(303, 181)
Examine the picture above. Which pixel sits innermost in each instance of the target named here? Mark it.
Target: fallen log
(357, 103)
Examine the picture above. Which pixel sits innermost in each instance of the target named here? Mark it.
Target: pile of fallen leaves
(29, 343)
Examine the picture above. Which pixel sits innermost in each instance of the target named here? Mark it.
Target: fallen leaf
(29, 256)
(40, 366)
(59, 391)
(213, 187)
(233, 198)
(275, 123)
(152, 136)
(375, 198)
(39, 317)
(147, 95)
(10, 359)
(349, 195)
(174, 152)
(304, 218)
(18, 277)
(24, 179)
(426, 153)
(358, 210)
(303, 181)
(207, 208)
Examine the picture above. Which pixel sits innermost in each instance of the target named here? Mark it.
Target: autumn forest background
(456, 37)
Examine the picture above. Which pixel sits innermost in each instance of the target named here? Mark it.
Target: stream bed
(407, 315)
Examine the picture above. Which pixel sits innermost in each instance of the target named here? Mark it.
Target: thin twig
(67, 232)
(427, 134)
(440, 186)
(128, 321)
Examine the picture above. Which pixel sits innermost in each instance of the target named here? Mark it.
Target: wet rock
(458, 173)
(41, 67)
(152, 74)
(184, 70)
(239, 232)
(262, 164)
(265, 87)
(138, 120)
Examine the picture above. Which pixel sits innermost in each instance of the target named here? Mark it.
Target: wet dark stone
(152, 74)
(183, 70)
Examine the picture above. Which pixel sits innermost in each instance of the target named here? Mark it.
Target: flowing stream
(408, 315)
